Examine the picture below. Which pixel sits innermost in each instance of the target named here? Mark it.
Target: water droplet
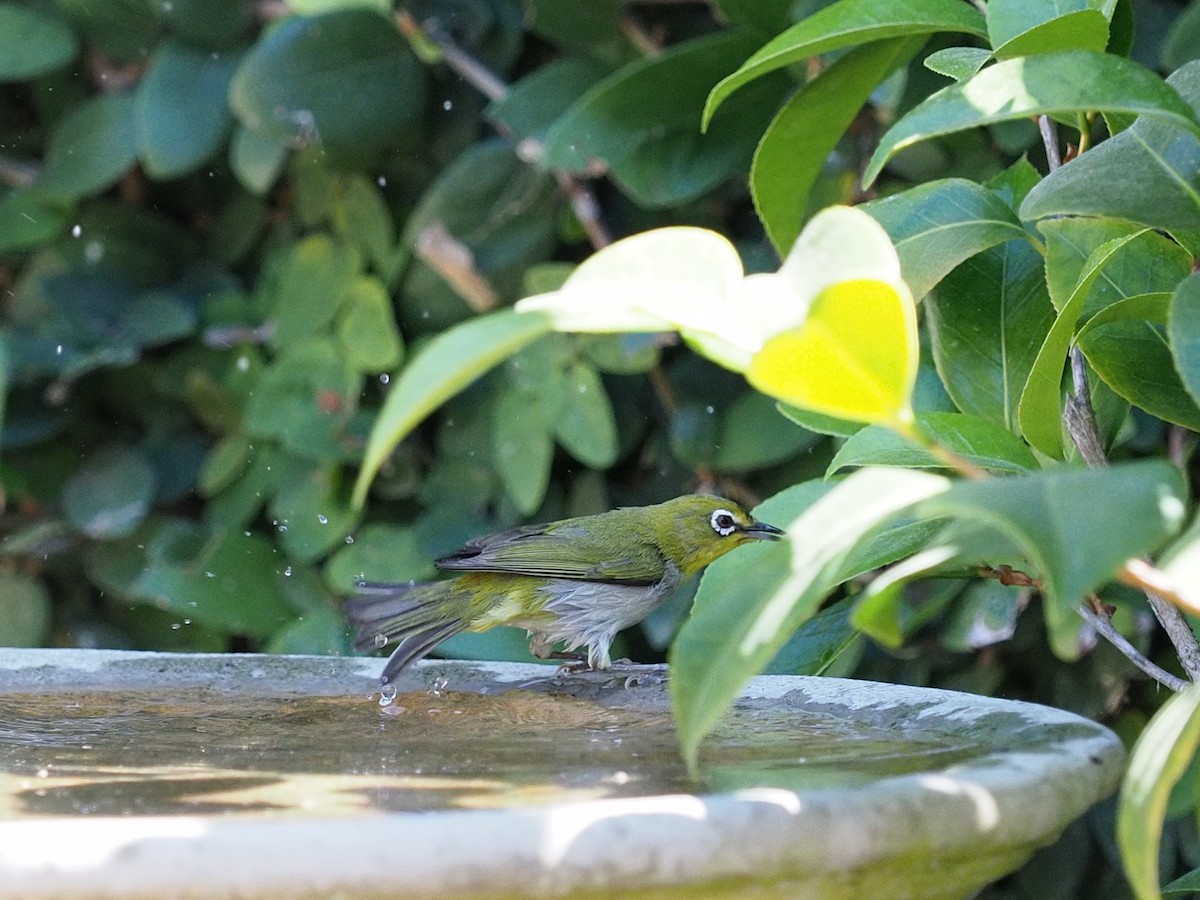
(93, 252)
(710, 409)
(76, 231)
(210, 574)
(282, 528)
(385, 378)
(439, 685)
(58, 350)
(381, 181)
(287, 573)
(243, 363)
(349, 539)
(322, 518)
(387, 694)
(175, 626)
(447, 105)
(381, 640)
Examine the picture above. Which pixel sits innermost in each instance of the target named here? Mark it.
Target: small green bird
(575, 582)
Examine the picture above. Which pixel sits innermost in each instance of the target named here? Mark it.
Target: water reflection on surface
(211, 753)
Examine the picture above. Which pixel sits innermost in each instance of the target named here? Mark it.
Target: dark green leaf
(1184, 329)
(643, 123)
(256, 159)
(1050, 515)
(383, 553)
(226, 461)
(754, 435)
(309, 515)
(181, 109)
(32, 43)
(346, 79)
(937, 225)
(585, 425)
(977, 440)
(111, 494)
(817, 643)
(1150, 172)
(321, 632)
(1048, 83)
(91, 147)
(959, 63)
(523, 445)
(845, 24)
(800, 138)
(224, 579)
(534, 103)
(986, 614)
(986, 320)
(27, 221)
(24, 605)
(1024, 27)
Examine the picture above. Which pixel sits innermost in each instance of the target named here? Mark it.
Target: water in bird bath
(204, 752)
(263, 776)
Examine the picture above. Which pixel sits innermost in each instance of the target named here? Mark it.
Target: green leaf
(1184, 330)
(535, 102)
(1049, 84)
(959, 63)
(986, 321)
(1025, 27)
(978, 441)
(224, 579)
(362, 218)
(939, 224)
(845, 24)
(1040, 412)
(750, 602)
(1182, 43)
(382, 553)
(643, 123)
(111, 494)
(256, 159)
(800, 138)
(24, 605)
(523, 446)
(986, 614)
(91, 147)
(754, 435)
(442, 368)
(818, 643)
(313, 278)
(26, 220)
(181, 109)
(585, 425)
(311, 518)
(321, 632)
(346, 79)
(305, 400)
(1184, 884)
(1160, 757)
(1150, 172)
(32, 43)
(225, 462)
(1049, 514)
(1133, 357)
(818, 423)
(367, 329)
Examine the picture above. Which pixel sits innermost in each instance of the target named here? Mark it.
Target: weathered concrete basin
(152, 775)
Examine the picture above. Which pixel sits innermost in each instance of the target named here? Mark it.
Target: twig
(1105, 629)
(1080, 419)
(579, 195)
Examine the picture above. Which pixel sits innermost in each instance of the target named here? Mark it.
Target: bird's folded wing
(560, 553)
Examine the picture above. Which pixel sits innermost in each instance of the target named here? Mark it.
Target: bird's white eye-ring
(723, 522)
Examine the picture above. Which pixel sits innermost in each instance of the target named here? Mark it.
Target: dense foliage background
(225, 226)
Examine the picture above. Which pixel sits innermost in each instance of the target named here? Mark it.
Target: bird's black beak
(762, 531)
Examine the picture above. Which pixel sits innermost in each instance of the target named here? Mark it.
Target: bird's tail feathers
(418, 615)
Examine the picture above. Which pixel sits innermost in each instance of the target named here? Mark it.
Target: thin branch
(579, 195)
(1050, 142)
(1105, 629)
(1080, 416)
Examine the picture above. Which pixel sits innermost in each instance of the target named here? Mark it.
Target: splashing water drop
(387, 694)
(287, 573)
(439, 685)
(381, 640)
(322, 518)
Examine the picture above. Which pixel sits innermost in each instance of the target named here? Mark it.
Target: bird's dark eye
(723, 522)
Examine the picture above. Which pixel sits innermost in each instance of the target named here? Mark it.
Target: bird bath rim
(980, 818)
